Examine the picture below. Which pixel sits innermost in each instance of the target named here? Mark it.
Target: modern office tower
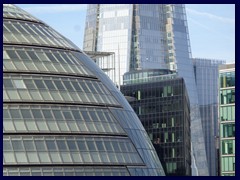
(62, 114)
(227, 119)
(206, 74)
(149, 36)
(160, 100)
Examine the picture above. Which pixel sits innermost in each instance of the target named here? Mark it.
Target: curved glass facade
(62, 114)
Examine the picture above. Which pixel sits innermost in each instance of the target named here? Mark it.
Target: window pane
(15, 113)
(37, 113)
(91, 146)
(58, 114)
(81, 145)
(40, 145)
(29, 145)
(26, 114)
(67, 115)
(39, 84)
(7, 83)
(47, 114)
(59, 85)
(49, 85)
(71, 145)
(7, 145)
(19, 84)
(17, 145)
(61, 145)
(51, 145)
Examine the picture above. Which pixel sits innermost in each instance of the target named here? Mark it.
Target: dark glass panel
(29, 145)
(7, 83)
(37, 113)
(39, 84)
(51, 146)
(49, 84)
(26, 113)
(61, 145)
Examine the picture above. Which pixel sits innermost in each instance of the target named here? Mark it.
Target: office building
(149, 36)
(61, 114)
(160, 100)
(206, 75)
(227, 119)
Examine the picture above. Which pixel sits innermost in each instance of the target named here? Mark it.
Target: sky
(211, 26)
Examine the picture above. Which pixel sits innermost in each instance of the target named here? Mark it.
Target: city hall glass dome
(62, 114)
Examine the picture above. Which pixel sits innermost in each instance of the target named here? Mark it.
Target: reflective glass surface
(33, 33)
(66, 171)
(42, 60)
(59, 119)
(55, 89)
(57, 109)
(68, 150)
(10, 11)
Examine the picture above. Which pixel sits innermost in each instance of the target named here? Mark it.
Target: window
(39, 84)
(7, 83)
(17, 145)
(228, 147)
(19, 84)
(228, 130)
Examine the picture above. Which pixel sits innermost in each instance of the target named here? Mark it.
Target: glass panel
(49, 85)
(17, 145)
(20, 126)
(47, 114)
(71, 145)
(58, 114)
(26, 114)
(31, 126)
(29, 145)
(21, 157)
(19, 84)
(66, 157)
(61, 145)
(81, 145)
(52, 126)
(44, 157)
(91, 145)
(37, 114)
(86, 157)
(7, 83)
(6, 114)
(51, 145)
(15, 113)
(9, 157)
(39, 84)
(55, 157)
(40, 145)
(7, 145)
(67, 115)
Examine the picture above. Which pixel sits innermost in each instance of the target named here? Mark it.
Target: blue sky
(211, 26)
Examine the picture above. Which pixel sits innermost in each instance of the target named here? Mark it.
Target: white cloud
(56, 8)
(211, 16)
(213, 31)
(201, 25)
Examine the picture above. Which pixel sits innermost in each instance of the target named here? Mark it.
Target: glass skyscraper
(62, 115)
(161, 102)
(206, 74)
(227, 119)
(149, 36)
